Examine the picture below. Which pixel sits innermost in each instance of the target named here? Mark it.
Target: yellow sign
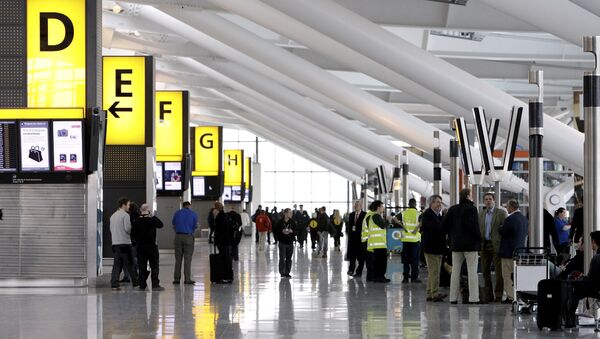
(247, 172)
(168, 120)
(41, 113)
(233, 166)
(56, 53)
(207, 151)
(124, 97)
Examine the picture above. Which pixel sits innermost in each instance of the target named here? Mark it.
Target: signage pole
(454, 172)
(404, 178)
(437, 164)
(536, 161)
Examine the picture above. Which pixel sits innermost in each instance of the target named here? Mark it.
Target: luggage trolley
(531, 264)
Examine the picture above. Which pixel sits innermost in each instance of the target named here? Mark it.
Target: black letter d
(69, 32)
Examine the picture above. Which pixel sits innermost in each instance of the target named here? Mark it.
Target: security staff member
(377, 242)
(356, 247)
(411, 242)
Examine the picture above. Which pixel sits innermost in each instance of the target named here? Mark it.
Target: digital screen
(236, 193)
(8, 146)
(247, 195)
(68, 145)
(227, 193)
(158, 176)
(173, 176)
(198, 186)
(34, 146)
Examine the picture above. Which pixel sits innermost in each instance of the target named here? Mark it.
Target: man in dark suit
(514, 234)
(356, 248)
(490, 220)
(433, 241)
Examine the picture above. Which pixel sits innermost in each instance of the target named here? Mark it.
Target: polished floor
(320, 301)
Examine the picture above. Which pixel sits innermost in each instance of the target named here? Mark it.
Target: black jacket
(462, 226)
(433, 236)
(143, 230)
(224, 229)
(282, 225)
(324, 225)
(514, 233)
(354, 229)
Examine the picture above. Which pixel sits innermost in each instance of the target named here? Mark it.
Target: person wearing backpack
(236, 220)
(224, 229)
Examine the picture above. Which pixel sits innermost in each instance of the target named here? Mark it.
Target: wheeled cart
(531, 265)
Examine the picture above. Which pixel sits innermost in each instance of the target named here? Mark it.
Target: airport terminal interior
(294, 169)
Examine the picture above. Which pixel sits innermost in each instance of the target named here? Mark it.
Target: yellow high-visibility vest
(410, 219)
(377, 236)
(364, 233)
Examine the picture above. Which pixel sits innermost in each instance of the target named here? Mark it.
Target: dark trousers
(314, 238)
(411, 252)
(235, 252)
(211, 235)
(356, 254)
(380, 262)
(226, 253)
(301, 236)
(488, 257)
(148, 254)
(370, 263)
(256, 234)
(122, 259)
(285, 258)
(184, 250)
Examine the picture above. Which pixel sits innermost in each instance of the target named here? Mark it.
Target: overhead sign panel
(233, 166)
(42, 113)
(207, 146)
(248, 172)
(127, 95)
(56, 45)
(171, 121)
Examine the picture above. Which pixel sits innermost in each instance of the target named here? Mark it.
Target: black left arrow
(114, 109)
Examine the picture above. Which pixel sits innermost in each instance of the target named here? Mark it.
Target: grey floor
(320, 301)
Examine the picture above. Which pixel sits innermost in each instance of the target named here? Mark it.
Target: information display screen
(34, 146)
(8, 146)
(227, 193)
(198, 187)
(247, 195)
(173, 176)
(67, 137)
(236, 193)
(158, 176)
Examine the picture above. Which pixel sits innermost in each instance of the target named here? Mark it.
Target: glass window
(301, 164)
(302, 187)
(320, 186)
(283, 160)
(284, 188)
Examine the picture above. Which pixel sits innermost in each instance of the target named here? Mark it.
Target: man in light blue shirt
(490, 221)
(185, 222)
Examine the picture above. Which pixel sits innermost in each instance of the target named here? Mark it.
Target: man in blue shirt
(185, 222)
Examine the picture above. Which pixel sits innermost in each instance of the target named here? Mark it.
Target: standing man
(377, 243)
(120, 230)
(514, 233)
(301, 224)
(211, 225)
(324, 228)
(256, 213)
(434, 244)
(274, 220)
(263, 226)
(356, 247)
(465, 242)
(236, 223)
(143, 233)
(490, 221)
(185, 222)
(411, 242)
(224, 239)
(284, 229)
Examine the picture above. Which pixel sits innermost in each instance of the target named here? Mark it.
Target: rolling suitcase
(555, 302)
(216, 267)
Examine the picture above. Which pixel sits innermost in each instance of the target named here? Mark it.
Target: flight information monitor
(8, 146)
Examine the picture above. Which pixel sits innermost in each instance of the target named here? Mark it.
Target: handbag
(35, 154)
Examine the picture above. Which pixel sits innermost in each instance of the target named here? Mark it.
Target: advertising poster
(34, 146)
(8, 146)
(68, 145)
(158, 176)
(173, 176)
(198, 186)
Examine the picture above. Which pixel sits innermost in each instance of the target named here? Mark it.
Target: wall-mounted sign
(207, 147)
(128, 96)
(67, 139)
(34, 146)
(233, 166)
(56, 53)
(171, 121)
(8, 146)
(41, 113)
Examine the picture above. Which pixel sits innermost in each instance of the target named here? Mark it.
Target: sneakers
(158, 288)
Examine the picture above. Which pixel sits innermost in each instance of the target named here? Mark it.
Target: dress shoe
(453, 302)
(189, 282)
(507, 301)
(474, 303)
(158, 288)
(437, 299)
(175, 282)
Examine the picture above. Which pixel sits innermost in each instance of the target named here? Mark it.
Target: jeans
(148, 254)
(184, 249)
(411, 252)
(323, 242)
(285, 258)
(457, 261)
(434, 264)
(122, 258)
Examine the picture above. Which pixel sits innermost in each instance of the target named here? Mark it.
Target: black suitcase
(216, 267)
(555, 300)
